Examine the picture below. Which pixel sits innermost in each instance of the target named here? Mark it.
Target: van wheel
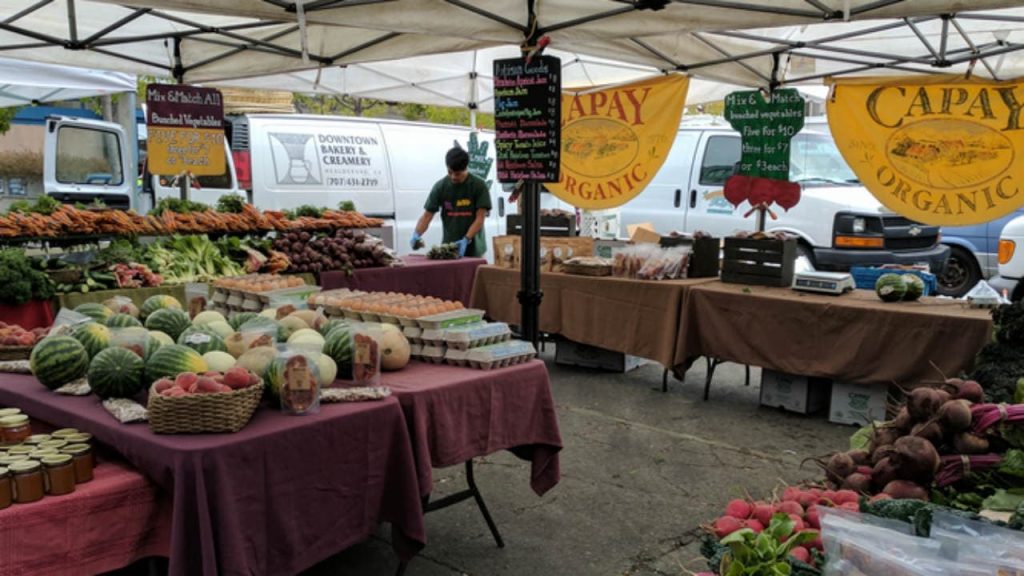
(960, 275)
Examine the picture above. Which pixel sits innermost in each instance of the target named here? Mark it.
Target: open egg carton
(493, 356)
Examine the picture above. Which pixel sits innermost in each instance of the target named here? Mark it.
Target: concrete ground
(641, 470)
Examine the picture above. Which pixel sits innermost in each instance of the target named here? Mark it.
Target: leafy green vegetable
(1009, 323)
(1018, 396)
(1012, 434)
(1013, 464)
(310, 211)
(46, 205)
(19, 282)
(177, 205)
(347, 206)
(998, 368)
(120, 251)
(182, 259)
(861, 439)
(753, 554)
(1005, 500)
(231, 203)
(20, 206)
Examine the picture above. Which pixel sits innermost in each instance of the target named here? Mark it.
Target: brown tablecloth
(455, 414)
(445, 279)
(278, 496)
(853, 338)
(630, 316)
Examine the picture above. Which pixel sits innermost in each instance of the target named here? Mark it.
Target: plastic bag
(253, 334)
(134, 338)
(984, 295)
(979, 543)
(196, 296)
(122, 305)
(66, 321)
(296, 372)
(366, 354)
(284, 301)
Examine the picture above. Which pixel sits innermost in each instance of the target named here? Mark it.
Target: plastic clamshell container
(413, 334)
(457, 357)
(434, 354)
(501, 355)
(476, 335)
(451, 319)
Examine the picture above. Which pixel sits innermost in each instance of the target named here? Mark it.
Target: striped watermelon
(274, 377)
(202, 340)
(338, 345)
(123, 321)
(169, 361)
(241, 318)
(170, 321)
(890, 287)
(331, 324)
(915, 287)
(57, 360)
(116, 373)
(93, 336)
(158, 302)
(97, 312)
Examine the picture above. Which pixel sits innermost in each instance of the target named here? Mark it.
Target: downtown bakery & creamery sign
(615, 139)
(944, 151)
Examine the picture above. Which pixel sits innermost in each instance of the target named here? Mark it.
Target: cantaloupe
(307, 336)
(219, 361)
(394, 350)
(208, 316)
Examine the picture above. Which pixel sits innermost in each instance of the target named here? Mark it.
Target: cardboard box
(643, 233)
(792, 392)
(604, 248)
(553, 251)
(857, 404)
(569, 353)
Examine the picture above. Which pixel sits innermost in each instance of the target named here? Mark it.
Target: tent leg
(529, 294)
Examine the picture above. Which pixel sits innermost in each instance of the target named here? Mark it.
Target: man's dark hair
(456, 159)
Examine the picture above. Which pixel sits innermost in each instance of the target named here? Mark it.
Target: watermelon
(123, 321)
(158, 302)
(202, 340)
(97, 312)
(241, 318)
(331, 324)
(170, 321)
(169, 361)
(338, 345)
(116, 373)
(93, 336)
(274, 376)
(891, 287)
(915, 287)
(57, 360)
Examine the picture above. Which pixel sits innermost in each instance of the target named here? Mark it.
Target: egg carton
(500, 355)
(457, 357)
(433, 354)
(451, 319)
(390, 319)
(432, 337)
(477, 335)
(413, 334)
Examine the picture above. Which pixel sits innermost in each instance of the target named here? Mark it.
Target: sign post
(186, 132)
(527, 122)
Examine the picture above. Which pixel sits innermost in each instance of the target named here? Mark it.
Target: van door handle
(693, 198)
(679, 197)
(501, 207)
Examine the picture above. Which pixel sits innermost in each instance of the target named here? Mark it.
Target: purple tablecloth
(455, 414)
(445, 279)
(278, 496)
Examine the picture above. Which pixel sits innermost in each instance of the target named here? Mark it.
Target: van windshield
(815, 161)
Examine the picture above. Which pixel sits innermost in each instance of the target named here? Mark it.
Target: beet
(922, 403)
(883, 473)
(967, 443)
(839, 466)
(930, 431)
(865, 470)
(903, 421)
(901, 489)
(971, 391)
(859, 457)
(943, 396)
(915, 459)
(860, 483)
(956, 415)
(881, 453)
(884, 436)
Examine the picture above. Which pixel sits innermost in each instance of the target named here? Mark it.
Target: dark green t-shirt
(458, 204)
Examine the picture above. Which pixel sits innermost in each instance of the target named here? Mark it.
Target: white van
(386, 167)
(839, 223)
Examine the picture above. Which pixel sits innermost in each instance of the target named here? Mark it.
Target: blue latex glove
(462, 244)
(416, 241)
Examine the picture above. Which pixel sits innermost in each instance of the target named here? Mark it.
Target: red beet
(923, 403)
(884, 472)
(839, 466)
(737, 189)
(915, 459)
(859, 483)
(967, 443)
(956, 415)
(901, 489)
(971, 391)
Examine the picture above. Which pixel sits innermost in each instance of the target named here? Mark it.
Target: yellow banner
(171, 151)
(614, 140)
(937, 150)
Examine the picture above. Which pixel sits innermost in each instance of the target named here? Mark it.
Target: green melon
(123, 321)
(97, 312)
(331, 324)
(915, 287)
(57, 360)
(170, 321)
(274, 377)
(202, 340)
(93, 336)
(338, 345)
(169, 361)
(241, 318)
(890, 287)
(116, 373)
(158, 302)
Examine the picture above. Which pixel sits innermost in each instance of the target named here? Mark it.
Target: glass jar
(6, 461)
(20, 449)
(27, 477)
(6, 496)
(9, 412)
(80, 438)
(64, 432)
(82, 458)
(38, 438)
(60, 474)
(41, 453)
(56, 443)
(15, 429)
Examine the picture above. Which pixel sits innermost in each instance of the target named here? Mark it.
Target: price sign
(766, 127)
(527, 119)
(186, 130)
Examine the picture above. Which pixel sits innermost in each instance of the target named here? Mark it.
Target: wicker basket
(585, 270)
(65, 276)
(8, 353)
(202, 413)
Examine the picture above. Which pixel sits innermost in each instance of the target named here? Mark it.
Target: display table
(114, 520)
(630, 316)
(455, 414)
(445, 279)
(278, 496)
(853, 338)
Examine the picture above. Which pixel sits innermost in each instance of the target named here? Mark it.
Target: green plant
(763, 554)
(230, 203)
(19, 282)
(177, 205)
(310, 211)
(347, 206)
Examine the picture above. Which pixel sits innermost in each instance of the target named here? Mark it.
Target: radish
(827, 497)
(813, 517)
(845, 496)
(816, 544)
(801, 554)
(791, 508)
(791, 494)
(740, 509)
(762, 513)
(798, 523)
(726, 525)
(851, 506)
(806, 499)
(754, 525)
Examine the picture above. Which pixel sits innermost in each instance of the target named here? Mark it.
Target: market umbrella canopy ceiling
(24, 83)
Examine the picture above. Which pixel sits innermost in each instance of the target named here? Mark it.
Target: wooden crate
(549, 225)
(759, 262)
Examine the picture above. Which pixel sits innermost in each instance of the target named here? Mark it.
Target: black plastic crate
(549, 225)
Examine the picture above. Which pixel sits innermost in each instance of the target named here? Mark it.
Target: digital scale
(834, 283)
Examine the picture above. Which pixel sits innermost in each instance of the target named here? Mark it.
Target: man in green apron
(464, 201)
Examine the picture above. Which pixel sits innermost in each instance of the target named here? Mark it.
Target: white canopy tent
(24, 83)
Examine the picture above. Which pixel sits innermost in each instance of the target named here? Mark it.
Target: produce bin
(865, 277)
(766, 262)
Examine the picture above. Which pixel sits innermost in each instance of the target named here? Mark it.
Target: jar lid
(3, 472)
(37, 438)
(56, 459)
(8, 460)
(75, 449)
(80, 438)
(64, 432)
(9, 411)
(14, 420)
(42, 453)
(58, 444)
(20, 449)
(24, 466)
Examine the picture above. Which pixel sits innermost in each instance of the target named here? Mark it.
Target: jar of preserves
(6, 495)
(15, 429)
(41, 453)
(64, 432)
(9, 412)
(20, 449)
(6, 461)
(82, 458)
(55, 443)
(27, 478)
(37, 439)
(60, 474)
(80, 438)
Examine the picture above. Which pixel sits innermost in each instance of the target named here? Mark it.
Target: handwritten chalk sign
(527, 119)
(766, 128)
(185, 126)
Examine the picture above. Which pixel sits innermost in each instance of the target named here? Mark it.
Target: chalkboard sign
(527, 118)
(766, 128)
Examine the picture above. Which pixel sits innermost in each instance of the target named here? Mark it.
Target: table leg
(712, 363)
(472, 492)
(664, 380)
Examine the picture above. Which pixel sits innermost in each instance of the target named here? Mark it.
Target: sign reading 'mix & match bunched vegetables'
(941, 151)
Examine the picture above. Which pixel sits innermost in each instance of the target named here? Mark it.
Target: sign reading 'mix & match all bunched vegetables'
(185, 126)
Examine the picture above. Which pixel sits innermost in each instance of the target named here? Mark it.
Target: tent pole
(530, 295)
